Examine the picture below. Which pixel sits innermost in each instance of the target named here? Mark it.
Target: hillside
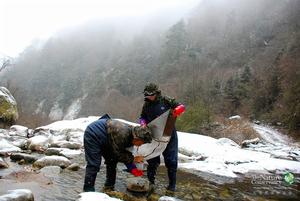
(224, 58)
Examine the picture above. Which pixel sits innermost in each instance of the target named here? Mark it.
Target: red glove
(178, 110)
(136, 172)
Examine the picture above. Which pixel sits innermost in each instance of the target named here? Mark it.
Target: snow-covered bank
(221, 157)
(225, 158)
(271, 135)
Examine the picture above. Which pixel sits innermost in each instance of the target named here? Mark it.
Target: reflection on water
(68, 185)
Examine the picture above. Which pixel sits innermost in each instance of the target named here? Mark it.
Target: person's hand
(138, 159)
(136, 172)
(143, 123)
(178, 110)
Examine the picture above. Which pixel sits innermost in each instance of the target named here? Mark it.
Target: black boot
(110, 175)
(151, 172)
(172, 179)
(89, 181)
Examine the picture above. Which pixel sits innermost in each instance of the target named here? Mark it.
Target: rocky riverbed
(49, 161)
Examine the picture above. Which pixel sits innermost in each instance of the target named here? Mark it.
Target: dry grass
(237, 130)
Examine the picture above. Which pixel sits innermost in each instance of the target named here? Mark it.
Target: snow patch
(74, 108)
(95, 196)
(56, 113)
(271, 135)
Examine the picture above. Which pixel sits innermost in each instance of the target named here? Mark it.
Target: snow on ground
(95, 196)
(271, 135)
(226, 159)
(214, 156)
(76, 124)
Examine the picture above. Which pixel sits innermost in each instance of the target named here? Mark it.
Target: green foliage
(267, 92)
(221, 62)
(8, 112)
(232, 94)
(292, 100)
(196, 117)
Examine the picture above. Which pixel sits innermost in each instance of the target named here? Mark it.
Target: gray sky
(22, 21)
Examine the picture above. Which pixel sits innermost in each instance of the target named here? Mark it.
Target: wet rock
(153, 197)
(68, 153)
(247, 143)
(3, 164)
(18, 195)
(41, 131)
(3, 133)
(38, 143)
(295, 155)
(188, 197)
(51, 171)
(66, 144)
(57, 138)
(8, 107)
(26, 157)
(21, 143)
(75, 136)
(6, 147)
(60, 161)
(226, 141)
(53, 151)
(137, 184)
(18, 130)
(74, 167)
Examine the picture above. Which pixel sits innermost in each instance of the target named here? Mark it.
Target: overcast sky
(22, 21)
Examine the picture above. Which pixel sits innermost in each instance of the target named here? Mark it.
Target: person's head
(151, 91)
(141, 135)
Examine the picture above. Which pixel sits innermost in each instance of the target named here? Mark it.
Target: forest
(224, 58)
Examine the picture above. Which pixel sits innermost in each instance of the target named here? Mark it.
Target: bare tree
(5, 63)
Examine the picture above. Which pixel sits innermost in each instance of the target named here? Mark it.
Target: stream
(66, 186)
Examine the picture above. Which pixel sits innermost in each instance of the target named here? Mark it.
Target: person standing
(110, 138)
(154, 105)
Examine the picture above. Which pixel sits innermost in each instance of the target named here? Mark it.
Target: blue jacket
(153, 109)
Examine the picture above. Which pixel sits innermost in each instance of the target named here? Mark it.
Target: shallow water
(189, 187)
(67, 185)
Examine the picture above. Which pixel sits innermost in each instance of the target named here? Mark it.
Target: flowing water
(67, 185)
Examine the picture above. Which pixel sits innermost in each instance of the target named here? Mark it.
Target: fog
(195, 50)
(22, 22)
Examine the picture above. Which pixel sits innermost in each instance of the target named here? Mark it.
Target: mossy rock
(8, 107)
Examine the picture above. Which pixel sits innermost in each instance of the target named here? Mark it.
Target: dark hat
(144, 133)
(151, 89)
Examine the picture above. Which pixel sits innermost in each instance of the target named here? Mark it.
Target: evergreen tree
(232, 94)
(176, 42)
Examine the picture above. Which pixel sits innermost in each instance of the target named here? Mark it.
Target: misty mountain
(220, 59)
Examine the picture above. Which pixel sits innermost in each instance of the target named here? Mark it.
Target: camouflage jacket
(120, 138)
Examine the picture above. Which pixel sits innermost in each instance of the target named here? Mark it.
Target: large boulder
(6, 147)
(26, 158)
(3, 164)
(8, 107)
(38, 143)
(18, 130)
(60, 161)
(137, 184)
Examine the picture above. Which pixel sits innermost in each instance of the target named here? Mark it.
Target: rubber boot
(151, 172)
(172, 179)
(89, 181)
(110, 176)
